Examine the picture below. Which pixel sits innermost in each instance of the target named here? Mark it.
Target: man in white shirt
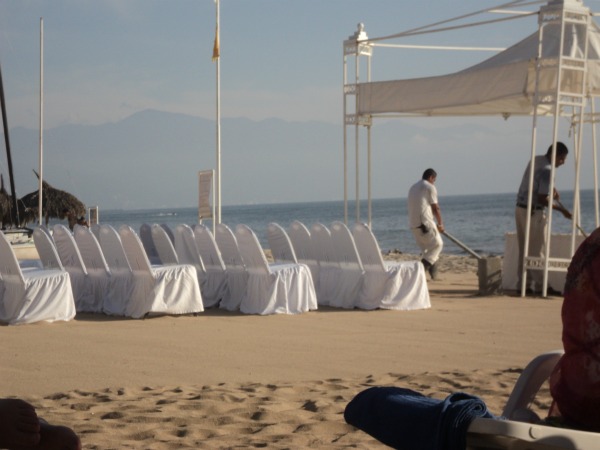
(425, 220)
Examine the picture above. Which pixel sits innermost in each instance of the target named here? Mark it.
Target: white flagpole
(216, 50)
(41, 149)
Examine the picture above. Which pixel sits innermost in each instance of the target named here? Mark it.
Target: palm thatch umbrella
(6, 217)
(4, 203)
(54, 202)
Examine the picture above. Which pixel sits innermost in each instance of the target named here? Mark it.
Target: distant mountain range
(151, 159)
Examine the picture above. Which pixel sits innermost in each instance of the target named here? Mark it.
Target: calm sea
(479, 221)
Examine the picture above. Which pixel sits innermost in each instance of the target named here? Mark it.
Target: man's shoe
(553, 292)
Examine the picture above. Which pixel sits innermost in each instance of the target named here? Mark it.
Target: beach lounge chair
(388, 285)
(273, 288)
(212, 284)
(216, 272)
(160, 289)
(88, 292)
(303, 248)
(44, 244)
(164, 246)
(515, 432)
(117, 283)
(280, 244)
(237, 276)
(32, 295)
(148, 243)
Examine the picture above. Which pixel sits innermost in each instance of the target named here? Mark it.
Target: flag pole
(217, 59)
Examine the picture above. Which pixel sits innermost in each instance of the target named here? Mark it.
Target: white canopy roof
(503, 84)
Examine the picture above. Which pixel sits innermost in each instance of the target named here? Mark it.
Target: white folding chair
(273, 288)
(159, 289)
(88, 298)
(217, 286)
(44, 244)
(303, 248)
(280, 244)
(164, 245)
(211, 287)
(116, 283)
(237, 276)
(148, 243)
(33, 295)
(401, 285)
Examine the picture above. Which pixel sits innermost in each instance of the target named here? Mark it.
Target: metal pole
(217, 219)
(41, 148)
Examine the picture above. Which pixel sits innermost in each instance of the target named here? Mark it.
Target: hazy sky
(107, 59)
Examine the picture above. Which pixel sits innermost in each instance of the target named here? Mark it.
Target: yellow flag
(216, 52)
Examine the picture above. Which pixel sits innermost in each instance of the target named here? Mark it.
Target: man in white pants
(422, 209)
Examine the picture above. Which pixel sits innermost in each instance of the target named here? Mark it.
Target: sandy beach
(227, 380)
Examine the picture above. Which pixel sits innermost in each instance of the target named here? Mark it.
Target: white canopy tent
(554, 72)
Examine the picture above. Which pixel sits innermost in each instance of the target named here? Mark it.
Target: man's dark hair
(561, 149)
(429, 173)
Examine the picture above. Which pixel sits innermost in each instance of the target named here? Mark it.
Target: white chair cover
(95, 228)
(117, 284)
(388, 285)
(112, 248)
(148, 243)
(215, 283)
(164, 246)
(44, 244)
(88, 298)
(276, 288)
(237, 276)
(34, 295)
(303, 248)
(280, 244)
(161, 289)
(187, 251)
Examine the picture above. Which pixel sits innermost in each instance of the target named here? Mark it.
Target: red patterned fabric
(575, 383)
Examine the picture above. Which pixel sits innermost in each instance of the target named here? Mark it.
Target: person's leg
(19, 424)
(537, 244)
(520, 223)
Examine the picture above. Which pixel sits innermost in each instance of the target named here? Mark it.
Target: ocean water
(479, 221)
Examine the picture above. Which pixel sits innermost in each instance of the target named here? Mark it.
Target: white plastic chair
(215, 270)
(33, 295)
(159, 289)
(514, 432)
(88, 298)
(280, 244)
(116, 283)
(275, 288)
(391, 285)
(237, 276)
(164, 246)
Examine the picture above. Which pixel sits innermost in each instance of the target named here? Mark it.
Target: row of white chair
(233, 269)
(31, 294)
(110, 272)
(348, 269)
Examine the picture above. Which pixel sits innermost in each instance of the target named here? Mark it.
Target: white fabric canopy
(503, 84)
